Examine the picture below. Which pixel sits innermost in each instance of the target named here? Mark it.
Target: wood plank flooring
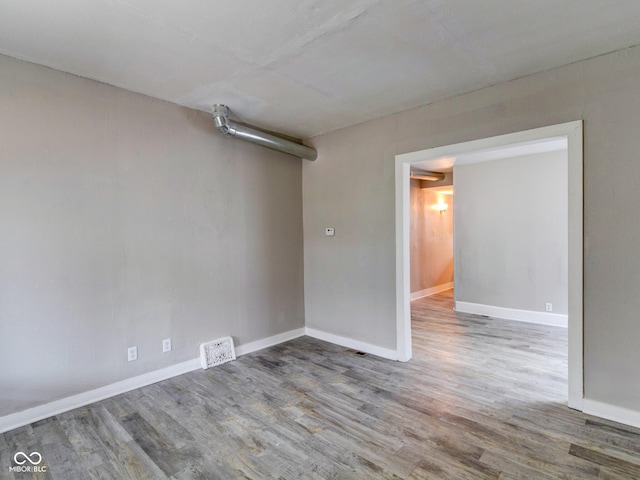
(482, 399)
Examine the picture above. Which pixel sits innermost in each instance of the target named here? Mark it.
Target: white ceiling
(306, 67)
(446, 163)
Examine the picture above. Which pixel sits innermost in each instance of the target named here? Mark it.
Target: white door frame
(572, 131)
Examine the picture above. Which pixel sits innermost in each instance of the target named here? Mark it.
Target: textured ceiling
(305, 67)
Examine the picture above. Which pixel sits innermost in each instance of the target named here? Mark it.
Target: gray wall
(126, 220)
(350, 281)
(431, 238)
(511, 232)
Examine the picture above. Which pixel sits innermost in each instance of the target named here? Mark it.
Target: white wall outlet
(549, 307)
(166, 345)
(132, 354)
(329, 231)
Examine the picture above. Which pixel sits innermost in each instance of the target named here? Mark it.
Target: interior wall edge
(432, 291)
(531, 316)
(611, 412)
(351, 343)
(269, 341)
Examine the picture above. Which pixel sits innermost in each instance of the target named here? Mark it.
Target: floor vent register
(217, 352)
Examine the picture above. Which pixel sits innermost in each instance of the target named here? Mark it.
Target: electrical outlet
(329, 231)
(166, 345)
(549, 307)
(132, 354)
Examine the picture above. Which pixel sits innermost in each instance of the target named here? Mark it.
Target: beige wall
(431, 238)
(350, 282)
(126, 220)
(511, 232)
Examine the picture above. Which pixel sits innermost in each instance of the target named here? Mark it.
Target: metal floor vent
(217, 352)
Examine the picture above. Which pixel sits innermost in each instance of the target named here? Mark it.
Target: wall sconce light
(441, 206)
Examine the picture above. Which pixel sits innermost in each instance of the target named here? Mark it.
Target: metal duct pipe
(425, 175)
(231, 129)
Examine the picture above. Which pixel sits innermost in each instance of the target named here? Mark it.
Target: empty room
(209, 219)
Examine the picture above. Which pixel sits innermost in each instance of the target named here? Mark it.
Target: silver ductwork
(427, 175)
(232, 129)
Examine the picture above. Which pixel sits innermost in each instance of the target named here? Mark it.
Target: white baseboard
(432, 291)
(354, 344)
(622, 415)
(269, 341)
(26, 417)
(544, 318)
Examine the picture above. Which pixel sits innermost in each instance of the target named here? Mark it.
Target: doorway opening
(431, 236)
(448, 157)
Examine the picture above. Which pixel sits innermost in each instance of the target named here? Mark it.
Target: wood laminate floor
(482, 399)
